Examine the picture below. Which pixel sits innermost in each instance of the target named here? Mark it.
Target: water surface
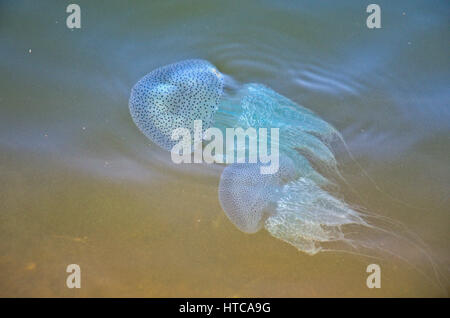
(81, 184)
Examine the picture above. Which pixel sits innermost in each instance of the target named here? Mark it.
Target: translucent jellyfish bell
(249, 197)
(173, 96)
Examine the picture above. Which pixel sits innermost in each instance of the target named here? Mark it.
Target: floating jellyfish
(294, 204)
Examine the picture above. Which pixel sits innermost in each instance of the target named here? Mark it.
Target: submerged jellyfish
(295, 204)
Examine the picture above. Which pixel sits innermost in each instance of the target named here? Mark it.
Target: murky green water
(80, 184)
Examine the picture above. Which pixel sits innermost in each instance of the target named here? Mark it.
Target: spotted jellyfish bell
(174, 96)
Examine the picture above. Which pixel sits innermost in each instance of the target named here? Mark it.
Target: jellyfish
(300, 203)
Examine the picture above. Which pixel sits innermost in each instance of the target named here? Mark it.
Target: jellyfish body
(291, 203)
